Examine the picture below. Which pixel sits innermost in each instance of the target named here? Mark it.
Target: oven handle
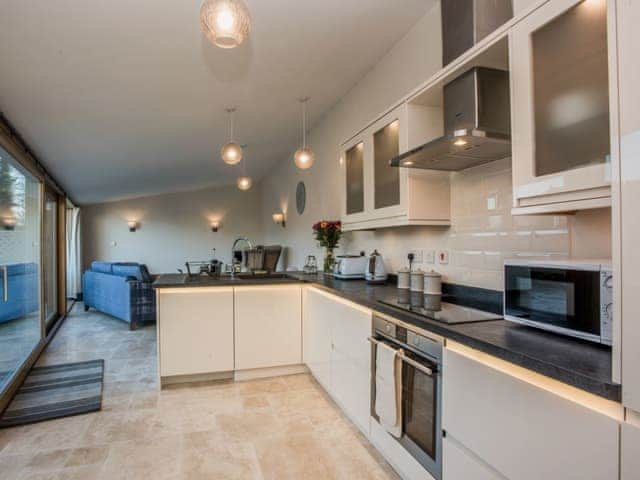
(404, 358)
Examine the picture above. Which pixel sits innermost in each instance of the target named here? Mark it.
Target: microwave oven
(572, 298)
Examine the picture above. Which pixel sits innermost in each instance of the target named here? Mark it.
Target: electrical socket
(418, 256)
(430, 257)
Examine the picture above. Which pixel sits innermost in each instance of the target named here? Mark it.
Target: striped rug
(56, 391)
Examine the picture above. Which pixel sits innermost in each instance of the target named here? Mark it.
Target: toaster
(350, 266)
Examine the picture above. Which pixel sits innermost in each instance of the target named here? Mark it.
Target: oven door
(421, 397)
(558, 299)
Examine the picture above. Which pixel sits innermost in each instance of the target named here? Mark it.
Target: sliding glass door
(50, 258)
(20, 219)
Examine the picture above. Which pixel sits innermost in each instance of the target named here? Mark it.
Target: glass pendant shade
(231, 153)
(225, 23)
(244, 183)
(303, 158)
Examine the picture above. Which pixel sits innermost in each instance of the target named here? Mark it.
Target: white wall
(484, 232)
(173, 228)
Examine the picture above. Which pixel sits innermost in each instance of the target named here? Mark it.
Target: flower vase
(329, 260)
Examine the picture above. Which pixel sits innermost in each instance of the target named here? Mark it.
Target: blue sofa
(23, 291)
(122, 290)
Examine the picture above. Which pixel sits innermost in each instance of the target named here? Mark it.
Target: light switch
(113, 243)
(430, 257)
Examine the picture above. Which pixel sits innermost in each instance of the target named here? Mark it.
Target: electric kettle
(376, 271)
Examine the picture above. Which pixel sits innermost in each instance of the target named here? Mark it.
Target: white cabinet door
(524, 431)
(630, 456)
(316, 335)
(563, 106)
(626, 220)
(459, 464)
(351, 360)
(268, 326)
(195, 329)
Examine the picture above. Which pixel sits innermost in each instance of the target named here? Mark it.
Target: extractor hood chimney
(477, 124)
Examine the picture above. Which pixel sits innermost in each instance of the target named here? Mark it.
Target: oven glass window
(561, 298)
(419, 408)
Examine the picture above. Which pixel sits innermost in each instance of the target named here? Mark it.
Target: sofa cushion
(127, 271)
(102, 267)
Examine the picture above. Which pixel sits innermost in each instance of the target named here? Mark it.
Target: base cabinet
(195, 331)
(337, 352)
(630, 456)
(268, 326)
(522, 431)
(459, 464)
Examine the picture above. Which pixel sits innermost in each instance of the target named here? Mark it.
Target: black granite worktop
(578, 363)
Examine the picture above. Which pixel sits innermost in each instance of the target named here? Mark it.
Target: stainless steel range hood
(477, 124)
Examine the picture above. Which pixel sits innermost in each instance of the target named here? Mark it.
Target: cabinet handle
(404, 358)
(5, 283)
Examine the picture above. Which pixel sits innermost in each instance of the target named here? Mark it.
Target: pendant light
(232, 152)
(303, 157)
(225, 23)
(244, 181)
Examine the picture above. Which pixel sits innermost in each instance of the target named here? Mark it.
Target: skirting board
(196, 378)
(241, 375)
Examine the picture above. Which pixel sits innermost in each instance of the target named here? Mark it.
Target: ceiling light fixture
(303, 157)
(225, 23)
(244, 182)
(231, 152)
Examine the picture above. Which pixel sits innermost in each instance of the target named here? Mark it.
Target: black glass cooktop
(434, 307)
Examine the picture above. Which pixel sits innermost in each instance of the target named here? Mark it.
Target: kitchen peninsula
(248, 327)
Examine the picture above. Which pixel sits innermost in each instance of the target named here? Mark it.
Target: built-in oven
(569, 297)
(421, 400)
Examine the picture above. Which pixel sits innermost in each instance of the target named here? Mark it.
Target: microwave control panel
(606, 306)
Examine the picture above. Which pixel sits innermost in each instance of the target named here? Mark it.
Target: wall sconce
(133, 225)
(215, 225)
(9, 223)
(278, 219)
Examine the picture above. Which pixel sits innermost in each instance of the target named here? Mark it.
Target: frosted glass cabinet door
(354, 166)
(562, 78)
(386, 145)
(571, 89)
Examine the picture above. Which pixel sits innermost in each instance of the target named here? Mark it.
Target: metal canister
(403, 279)
(432, 283)
(417, 281)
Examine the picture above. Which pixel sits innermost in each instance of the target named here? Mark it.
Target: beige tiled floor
(279, 428)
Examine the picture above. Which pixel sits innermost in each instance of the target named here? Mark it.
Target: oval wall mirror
(301, 197)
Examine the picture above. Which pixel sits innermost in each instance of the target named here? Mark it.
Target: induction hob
(433, 308)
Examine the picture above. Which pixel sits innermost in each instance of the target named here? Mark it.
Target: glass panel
(571, 89)
(50, 258)
(561, 298)
(387, 179)
(355, 178)
(20, 330)
(419, 410)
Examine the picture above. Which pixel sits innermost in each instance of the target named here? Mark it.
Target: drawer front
(523, 431)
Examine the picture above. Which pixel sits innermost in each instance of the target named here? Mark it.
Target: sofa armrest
(143, 302)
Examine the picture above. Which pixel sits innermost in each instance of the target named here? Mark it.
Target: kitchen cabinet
(521, 430)
(564, 106)
(337, 352)
(630, 452)
(626, 229)
(268, 326)
(195, 331)
(460, 464)
(377, 195)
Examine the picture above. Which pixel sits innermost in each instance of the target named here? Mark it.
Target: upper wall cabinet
(377, 195)
(562, 107)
